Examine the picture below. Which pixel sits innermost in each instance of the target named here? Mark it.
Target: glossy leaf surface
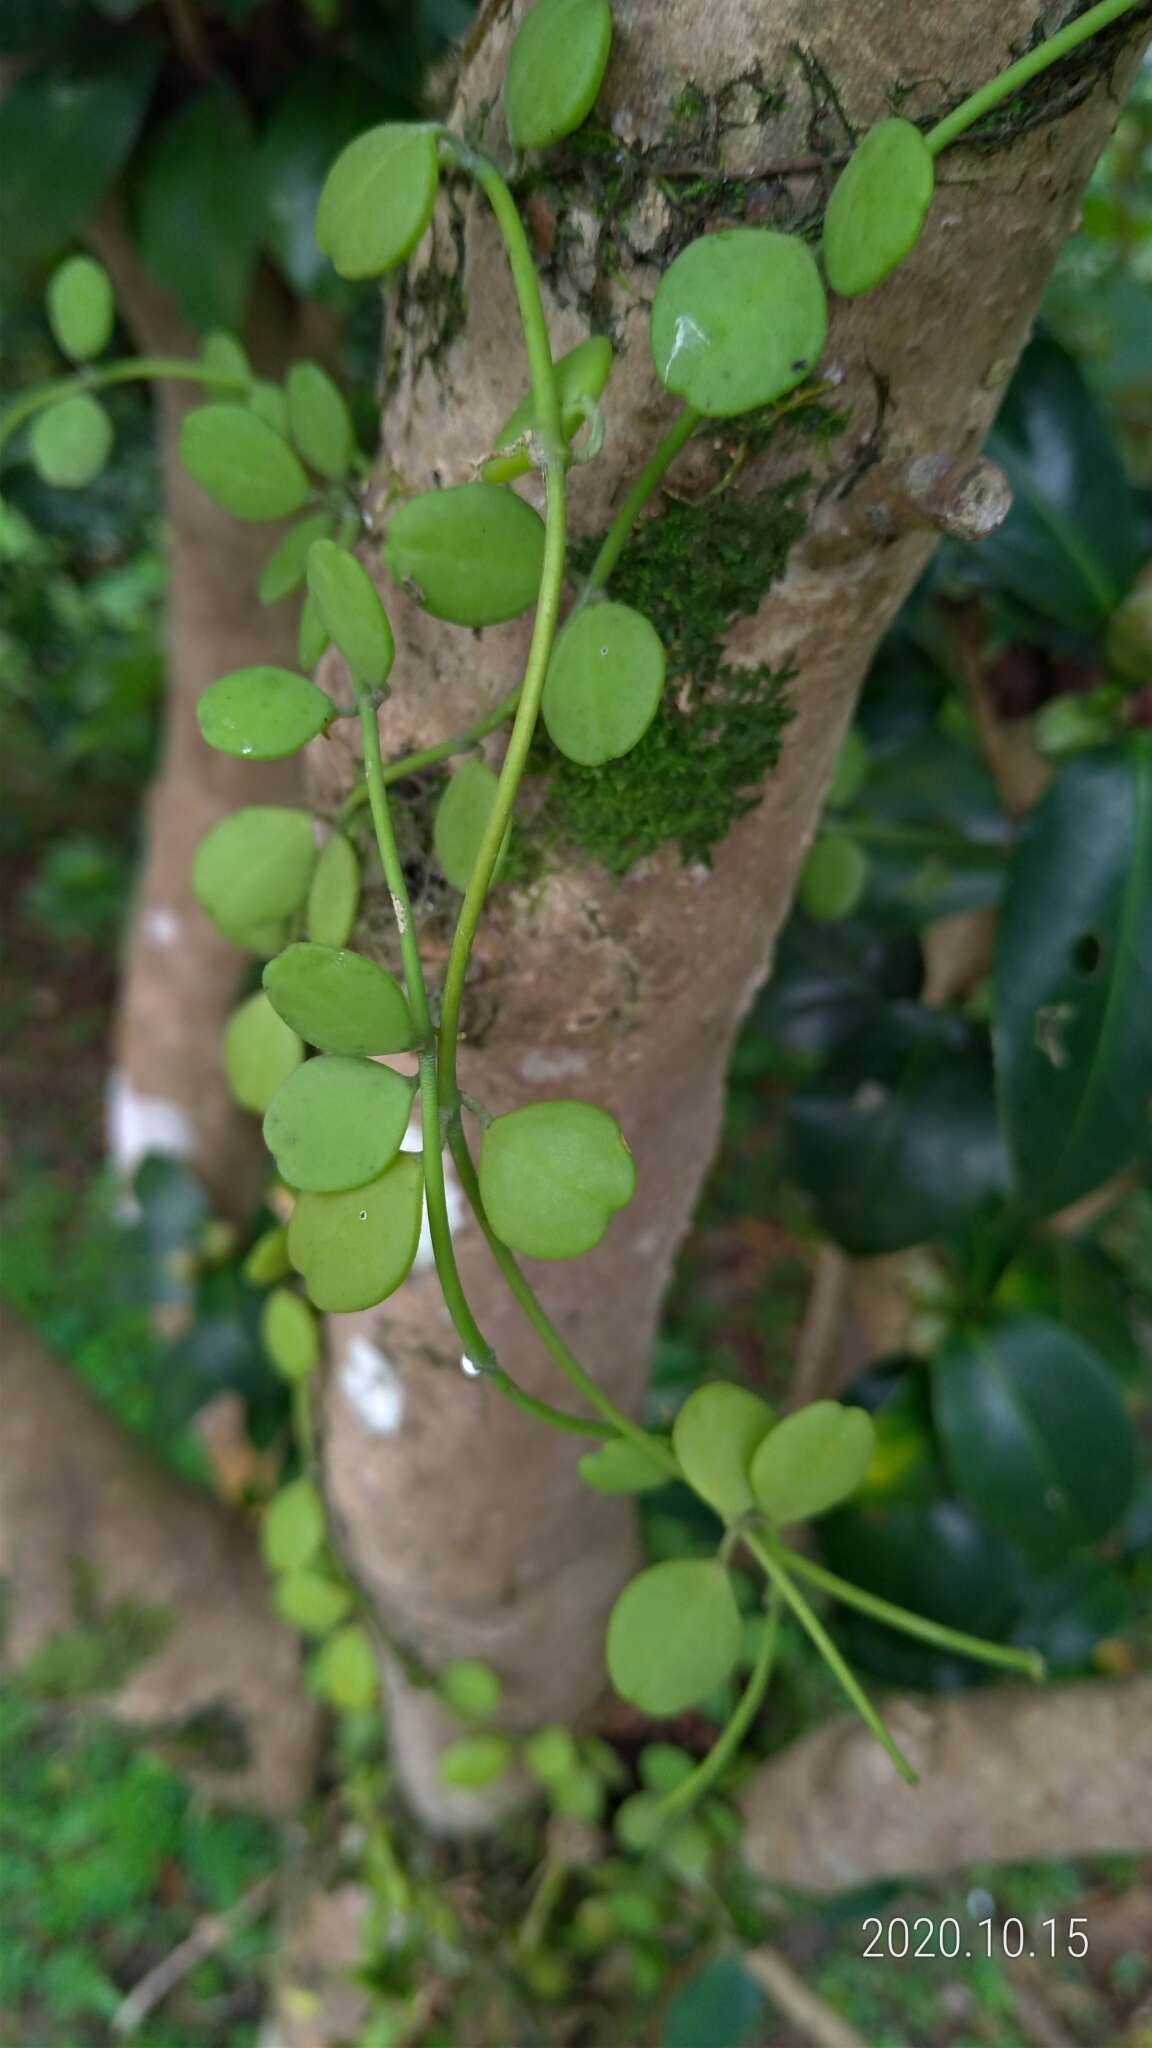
(739, 319)
(262, 714)
(337, 1123)
(339, 1001)
(354, 1249)
(471, 554)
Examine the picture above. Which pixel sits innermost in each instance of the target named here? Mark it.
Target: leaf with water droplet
(738, 320)
(263, 714)
(339, 1001)
(354, 1249)
(604, 684)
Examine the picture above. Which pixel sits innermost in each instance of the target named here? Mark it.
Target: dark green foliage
(65, 131)
(199, 208)
(699, 766)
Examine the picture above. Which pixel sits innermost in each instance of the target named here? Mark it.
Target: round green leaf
(352, 612)
(222, 353)
(471, 554)
(475, 1761)
(268, 402)
(242, 463)
(638, 1822)
(254, 868)
(289, 1334)
(1035, 1433)
(309, 1601)
(851, 769)
(284, 570)
(715, 1436)
(878, 206)
(581, 374)
(340, 1002)
(555, 66)
(345, 1672)
(81, 307)
(69, 441)
(471, 1689)
(334, 897)
(461, 818)
(580, 1797)
(811, 1460)
(268, 1259)
(620, 1466)
(320, 421)
(833, 877)
(551, 1755)
(354, 1249)
(664, 1767)
(378, 198)
(262, 714)
(259, 1053)
(604, 684)
(674, 1635)
(336, 1123)
(552, 1176)
(738, 319)
(312, 638)
(292, 1532)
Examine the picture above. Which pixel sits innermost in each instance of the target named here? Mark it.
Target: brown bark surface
(77, 1496)
(467, 1521)
(167, 1090)
(1014, 1774)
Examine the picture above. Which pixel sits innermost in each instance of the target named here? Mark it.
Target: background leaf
(322, 110)
(65, 131)
(199, 208)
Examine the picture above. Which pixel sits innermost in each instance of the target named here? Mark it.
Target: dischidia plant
(738, 325)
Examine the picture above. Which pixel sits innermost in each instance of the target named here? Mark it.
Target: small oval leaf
(312, 637)
(461, 818)
(354, 1249)
(339, 1001)
(345, 1673)
(811, 1460)
(553, 1175)
(334, 897)
(284, 570)
(878, 207)
(581, 374)
(557, 60)
(81, 307)
(292, 1532)
(254, 868)
(268, 1259)
(336, 1123)
(620, 1466)
(475, 1760)
(259, 1053)
(471, 554)
(242, 463)
(471, 1689)
(351, 610)
(738, 320)
(674, 1635)
(378, 198)
(604, 684)
(262, 714)
(320, 422)
(289, 1334)
(70, 441)
(310, 1601)
(715, 1436)
(833, 878)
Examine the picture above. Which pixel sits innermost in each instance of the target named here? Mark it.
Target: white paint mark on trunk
(140, 1124)
(372, 1385)
(552, 1066)
(162, 927)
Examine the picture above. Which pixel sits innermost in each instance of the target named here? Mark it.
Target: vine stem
(441, 750)
(1026, 68)
(147, 369)
(815, 1629)
(1029, 1662)
(736, 1728)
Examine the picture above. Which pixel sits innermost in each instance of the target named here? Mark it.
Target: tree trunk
(1012, 1775)
(167, 1091)
(466, 1520)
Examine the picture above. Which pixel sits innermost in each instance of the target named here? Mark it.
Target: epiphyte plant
(738, 324)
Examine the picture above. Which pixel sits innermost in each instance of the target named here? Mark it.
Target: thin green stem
(736, 1728)
(841, 1670)
(545, 1899)
(651, 476)
(619, 1423)
(1028, 67)
(393, 866)
(441, 750)
(131, 370)
(1030, 1662)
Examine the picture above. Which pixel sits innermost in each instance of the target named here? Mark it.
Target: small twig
(213, 1932)
(188, 36)
(806, 2011)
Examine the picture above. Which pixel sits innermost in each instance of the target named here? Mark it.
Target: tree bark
(1011, 1775)
(167, 1090)
(467, 1521)
(79, 1497)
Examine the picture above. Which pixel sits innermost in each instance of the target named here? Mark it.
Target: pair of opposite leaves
(676, 1632)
